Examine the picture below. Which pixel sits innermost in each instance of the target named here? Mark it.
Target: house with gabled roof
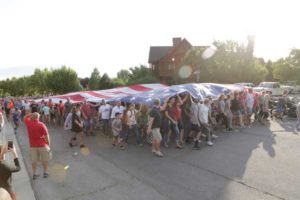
(165, 61)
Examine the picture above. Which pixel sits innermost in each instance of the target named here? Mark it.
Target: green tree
(123, 74)
(105, 82)
(284, 70)
(38, 81)
(94, 80)
(116, 82)
(231, 62)
(141, 75)
(63, 80)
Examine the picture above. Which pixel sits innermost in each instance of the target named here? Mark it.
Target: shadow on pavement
(240, 165)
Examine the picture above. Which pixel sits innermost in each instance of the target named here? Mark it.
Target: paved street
(257, 163)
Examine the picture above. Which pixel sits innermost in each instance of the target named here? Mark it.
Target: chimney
(176, 41)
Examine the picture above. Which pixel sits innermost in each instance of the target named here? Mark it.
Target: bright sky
(117, 34)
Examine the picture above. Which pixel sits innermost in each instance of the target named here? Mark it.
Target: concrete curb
(21, 181)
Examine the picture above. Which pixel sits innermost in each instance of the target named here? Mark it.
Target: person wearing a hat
(39, 141)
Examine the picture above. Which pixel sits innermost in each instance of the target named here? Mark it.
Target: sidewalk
(21, 180)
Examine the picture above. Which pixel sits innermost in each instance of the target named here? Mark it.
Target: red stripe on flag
(75, 97)
(95, 94)
(140, 88)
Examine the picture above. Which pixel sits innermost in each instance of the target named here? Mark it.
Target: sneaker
(159, 154)
(166, 145)
(179, 146)
(209, 143)
(46, 175)
(35, 176)
(153, 151)
(122, 148)
(140, 145)
(214, 136)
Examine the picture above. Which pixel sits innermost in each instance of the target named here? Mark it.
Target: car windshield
(266, 85)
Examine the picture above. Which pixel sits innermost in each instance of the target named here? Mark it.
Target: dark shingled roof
(158, 52)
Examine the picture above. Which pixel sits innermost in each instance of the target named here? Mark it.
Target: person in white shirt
(203, 119)
(249, 105)
(132, 124)
(104, 115)
(117, 109)
(221, 107)
(26, 107)
(195, 124)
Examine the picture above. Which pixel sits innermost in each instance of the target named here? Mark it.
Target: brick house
(165, 61)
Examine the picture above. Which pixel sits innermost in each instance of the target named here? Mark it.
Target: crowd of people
(181, 118)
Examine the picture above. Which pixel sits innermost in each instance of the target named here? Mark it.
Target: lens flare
(185, 71)
(209, 52)
(85, 151)
(58, 172)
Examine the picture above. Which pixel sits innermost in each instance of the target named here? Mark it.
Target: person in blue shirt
(16, 117)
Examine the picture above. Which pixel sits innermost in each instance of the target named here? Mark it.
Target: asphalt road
(261, 162)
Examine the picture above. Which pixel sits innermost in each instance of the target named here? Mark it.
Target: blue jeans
(134, 129)
(175, 129)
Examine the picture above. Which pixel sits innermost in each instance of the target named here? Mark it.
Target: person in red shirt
(86, 111)
(61, 107)
(178, 115)
(39, 142)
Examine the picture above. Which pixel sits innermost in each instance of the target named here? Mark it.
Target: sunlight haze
(116, 34)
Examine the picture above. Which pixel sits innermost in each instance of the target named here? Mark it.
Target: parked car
(249, 85)
(289, 88)
(294, 85)
(274, 87)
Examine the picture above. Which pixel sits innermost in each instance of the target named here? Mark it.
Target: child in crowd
(46, 111)
(16, 116)
(52, 115)
(116, 129)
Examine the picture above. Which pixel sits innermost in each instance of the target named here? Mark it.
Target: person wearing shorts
(236, 109)
(154, 124)
(195, 125)
(77, 126)
(39, 141)
(86, 111)
(116, 130)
